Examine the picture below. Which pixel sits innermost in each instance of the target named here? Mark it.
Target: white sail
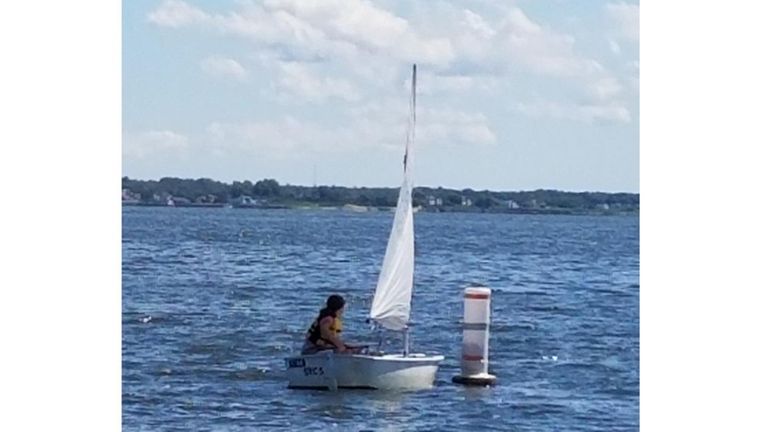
(393, 297)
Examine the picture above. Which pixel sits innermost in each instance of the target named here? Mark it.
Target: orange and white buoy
(475, 352)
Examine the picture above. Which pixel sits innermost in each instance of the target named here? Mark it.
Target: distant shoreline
(269, 194)
(548, 211)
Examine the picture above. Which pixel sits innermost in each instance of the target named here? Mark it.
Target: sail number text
(315, 370)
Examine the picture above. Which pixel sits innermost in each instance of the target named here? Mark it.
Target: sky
(511, 95)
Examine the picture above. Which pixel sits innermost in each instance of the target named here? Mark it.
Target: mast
(411, 132)
(412, 113)
(414, 97)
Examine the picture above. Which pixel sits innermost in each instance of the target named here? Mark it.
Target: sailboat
(390, 310)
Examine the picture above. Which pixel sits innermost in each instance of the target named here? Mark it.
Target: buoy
(475, 352)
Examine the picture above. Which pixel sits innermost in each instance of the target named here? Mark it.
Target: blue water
(213, 299)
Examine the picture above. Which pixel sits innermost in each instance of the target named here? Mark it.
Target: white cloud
(176, 13)
(541, 49)
(150, 143)
(459, 51)
(588, 113)
(378, 125)
(280, 137)
(605, 88)
(633, 77)
(495, 50)
(477, 25)
(350, 28)
(299, 80)
(444, 127)
(367, 28)
(287, 137)
(626, 19)
(225, 67)
(435, 126)
(508, 41)
(614, 47)
(431, 83)
(358, 22)
(357, 30)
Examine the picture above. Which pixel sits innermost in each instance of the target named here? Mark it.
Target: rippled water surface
(214, 299)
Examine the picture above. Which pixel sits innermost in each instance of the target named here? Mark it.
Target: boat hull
(330, 371)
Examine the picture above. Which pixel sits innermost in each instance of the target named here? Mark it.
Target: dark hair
(335, 302)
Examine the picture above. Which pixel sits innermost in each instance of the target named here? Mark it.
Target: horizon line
(387, 187)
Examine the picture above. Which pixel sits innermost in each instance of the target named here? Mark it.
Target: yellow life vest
(314, 334)
(336, 326)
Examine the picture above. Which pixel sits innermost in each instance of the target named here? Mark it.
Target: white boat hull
(330, 371)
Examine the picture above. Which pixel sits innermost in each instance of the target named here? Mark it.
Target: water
(213, 299)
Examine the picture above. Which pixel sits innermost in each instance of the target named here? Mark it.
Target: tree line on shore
(205, 190)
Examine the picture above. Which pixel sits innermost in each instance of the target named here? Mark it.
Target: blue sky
(511, 95)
